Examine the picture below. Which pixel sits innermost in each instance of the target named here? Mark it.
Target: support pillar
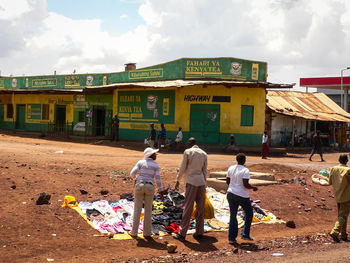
(346, 102)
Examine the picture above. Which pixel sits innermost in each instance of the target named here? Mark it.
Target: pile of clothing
(116, 217)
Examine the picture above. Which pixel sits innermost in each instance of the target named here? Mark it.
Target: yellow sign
(71, 81)
(146, 74)
(202, 68)
(2, 83)
(37, 83)
(255, 71)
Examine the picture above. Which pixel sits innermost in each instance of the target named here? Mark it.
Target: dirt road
(32, 233)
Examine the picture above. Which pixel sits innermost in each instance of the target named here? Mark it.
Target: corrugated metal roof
(312, 106)
(183, 83)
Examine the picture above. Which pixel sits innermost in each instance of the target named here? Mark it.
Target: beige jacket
(194, 166)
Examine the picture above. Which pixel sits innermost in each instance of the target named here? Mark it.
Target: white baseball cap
(149, 151)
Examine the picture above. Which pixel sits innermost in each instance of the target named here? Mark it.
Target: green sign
(147, 106)
(34, 111)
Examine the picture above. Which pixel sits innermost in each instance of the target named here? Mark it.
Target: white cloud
(124, 16)
(298, 38)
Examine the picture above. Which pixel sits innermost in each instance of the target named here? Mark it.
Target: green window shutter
(247, 115)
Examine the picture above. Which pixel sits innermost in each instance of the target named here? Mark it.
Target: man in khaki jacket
(194, 167)
(339, 178)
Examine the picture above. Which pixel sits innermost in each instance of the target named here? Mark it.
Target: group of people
(146, 173)
(160, 142)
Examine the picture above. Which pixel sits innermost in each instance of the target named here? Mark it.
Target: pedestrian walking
(237, 180)
(265, 145)
(317, 146)
(194, 169)
(152, 136)
(339, 178)
(144, 189)
(115, 128)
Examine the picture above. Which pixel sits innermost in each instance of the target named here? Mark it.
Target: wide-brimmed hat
(149, 151)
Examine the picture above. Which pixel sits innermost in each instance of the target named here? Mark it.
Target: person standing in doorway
(115, 128)
(339, 178)
(152, 136)
(149, 171)
(194, 167)
(265, 145)
(237, 180)
(316, 146)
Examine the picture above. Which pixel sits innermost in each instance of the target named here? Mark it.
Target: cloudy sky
(297, 38)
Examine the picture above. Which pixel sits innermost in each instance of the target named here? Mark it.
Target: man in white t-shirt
(238, 195)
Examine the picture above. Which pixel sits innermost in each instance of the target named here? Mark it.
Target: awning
(311, 106)
(184, 83)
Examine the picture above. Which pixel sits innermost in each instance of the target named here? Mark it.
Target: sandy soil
(36, 233)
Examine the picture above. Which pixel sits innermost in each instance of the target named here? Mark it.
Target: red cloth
(173, 227)
(116, 208)
(265, 149)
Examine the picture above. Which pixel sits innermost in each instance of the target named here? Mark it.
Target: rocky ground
(42, 233)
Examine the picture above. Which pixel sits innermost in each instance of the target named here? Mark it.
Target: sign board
(147, 106)
(34, 111)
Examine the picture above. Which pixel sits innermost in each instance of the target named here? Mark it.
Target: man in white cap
(144, 190)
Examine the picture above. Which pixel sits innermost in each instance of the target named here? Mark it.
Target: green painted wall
(185, 68)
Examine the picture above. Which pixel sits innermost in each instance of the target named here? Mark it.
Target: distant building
(210, 98)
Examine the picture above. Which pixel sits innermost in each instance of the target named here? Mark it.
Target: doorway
(205, 123)
(60, 117)
(99, 120)
(21, 116)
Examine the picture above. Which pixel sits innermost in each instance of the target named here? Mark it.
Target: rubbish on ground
(277, 254)
(59, 152)
(43, 199)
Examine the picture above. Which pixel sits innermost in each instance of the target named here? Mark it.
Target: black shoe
(197, 237)
(179, 237)
(233, 243)
(334, 237)
(310, 160)
(345, 239)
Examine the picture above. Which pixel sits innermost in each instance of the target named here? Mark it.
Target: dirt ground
(40, 233)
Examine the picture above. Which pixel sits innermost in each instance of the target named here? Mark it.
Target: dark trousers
(316, 149)
(234, 201)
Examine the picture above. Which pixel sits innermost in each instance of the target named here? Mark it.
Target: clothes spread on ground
(115, 217)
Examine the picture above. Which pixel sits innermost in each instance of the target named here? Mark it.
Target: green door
(1, 116)
(60, 117)
(205, 123)
(21, 116)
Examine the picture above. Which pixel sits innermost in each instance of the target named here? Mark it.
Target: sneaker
(334, 237)
(248, 238)
(179, 237)
(310, 160)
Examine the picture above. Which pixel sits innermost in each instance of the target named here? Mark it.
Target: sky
(297, 38)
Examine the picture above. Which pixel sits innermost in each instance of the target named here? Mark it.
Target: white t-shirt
(179, 137)
(237, 173)
(265, 138)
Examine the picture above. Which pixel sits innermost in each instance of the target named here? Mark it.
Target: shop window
(45, 112)
(9, 110)
(81, 116)
(247, 115)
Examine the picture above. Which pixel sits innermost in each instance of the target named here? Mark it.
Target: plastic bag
(324, 173)
(208, 209)
(146, 141)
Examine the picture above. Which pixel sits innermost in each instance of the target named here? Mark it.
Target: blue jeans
(234, 201)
